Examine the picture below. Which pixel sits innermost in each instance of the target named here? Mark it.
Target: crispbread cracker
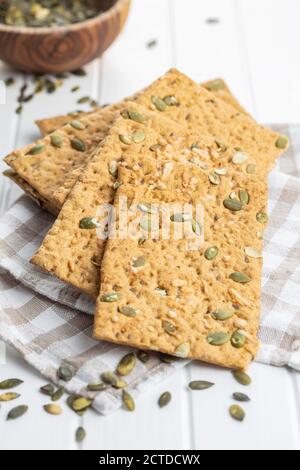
(174, 289)
(217, 86)
(70, 252)
(54, 172)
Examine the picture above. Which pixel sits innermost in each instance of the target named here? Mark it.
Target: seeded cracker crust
(95, 186)
(130, 309)
(51, 174)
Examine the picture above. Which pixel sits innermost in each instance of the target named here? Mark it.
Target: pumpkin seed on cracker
(36, 149)
(262, 217)
(238, 339)
(239, 277)
(111, 297)
(78, 144)
(88, 223)
(128, 311)
(218, 339)
(211, 252)
(222, 315)
(159, 103)
(56, 140)
(233, 204)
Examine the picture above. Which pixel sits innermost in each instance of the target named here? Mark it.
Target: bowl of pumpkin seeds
(51, 36)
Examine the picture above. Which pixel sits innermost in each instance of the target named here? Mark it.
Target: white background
(255, 47)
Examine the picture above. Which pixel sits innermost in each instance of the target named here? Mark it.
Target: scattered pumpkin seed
(125, 139)
(58, 394)
(65, 373)
(239, 158)
(109, 378)
(78, 144)
(128, 311)
(164, 399)
(166, 358)
(211, 252)
(128, 401)
(143, 356)
(88, 223)
(238, 339)
(9, 81)
(244, 197)
(79, 72)
(262, 217)
(53, 409)
(237, 413)
(139, 262)
(9, 396)
(75, 88)
(126, 364)
(10, 383)
(56, 140)
(180, 217)
(152, 43)
(252, 252)
(233, 204)
(136, 116)
(215, 85)
(19, 109)
(241, 377)
(182, 350)
(17, 412)
(251, 168)
(221, 146)
(138, 137)
(97, 387)
(47, 389)
(222, 315)
(242, 278)
(282, 142)
(80, 434)
(77, 125)
(36, 149)
(81, 403)
(159, 103)
(171, 100)
(111, 297)
(169, 327)
(83, 100)
(241, 397)
(218, 339)
(200, 385)
(214, 178)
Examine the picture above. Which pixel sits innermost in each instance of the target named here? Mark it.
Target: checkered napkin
(50, 323)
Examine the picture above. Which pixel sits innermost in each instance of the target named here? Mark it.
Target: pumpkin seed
(75, 88)
(97, 387)
(128, 401)
(56, 140)
(78, 144)
(152, 43)
(262, 217)
(125, 139)
(200, 385)
(164, 399)
(148, 208)
(126, 364)
(159, 103)
(196, 227)
(215, 85)
(221, 146)
(80, 434)
(139, 262)
(138, 137)
(113, 168)
(149, 225)
(83, 100)
(53, 409)
(251, 168)
(17, 412)
(241, 397)
(79, 72)
(182, 350)
(241, 377)
(252, 252)
(180, 217)
(10, 383)
(81, 403)
(9, 396)
(143, 356)
(112, 297)
(58, 394)
(238, 339)
(109, 378)
(242, 278)
(36, 149)
(239, 158)
(19, 109)
(166, 358)
(233, 204)
(222, 315)
(120, 384)
(47, 389)
(77, 125)
(171, 100)
(214, 178)
(169, 327)
(88, 223)
(211, 252)
(128, 311)
(65, 373)
(244, 197)
(282, 142)
(9, 81)
(237, 413)
(136, 116)
(218, 339)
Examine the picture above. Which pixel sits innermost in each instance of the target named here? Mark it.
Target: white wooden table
(255, 47)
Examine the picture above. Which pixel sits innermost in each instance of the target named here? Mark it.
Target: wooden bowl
(62, 49)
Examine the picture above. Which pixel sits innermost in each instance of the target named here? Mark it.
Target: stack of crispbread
(175, 144)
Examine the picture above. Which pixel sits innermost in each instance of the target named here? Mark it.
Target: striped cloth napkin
(50, 323)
